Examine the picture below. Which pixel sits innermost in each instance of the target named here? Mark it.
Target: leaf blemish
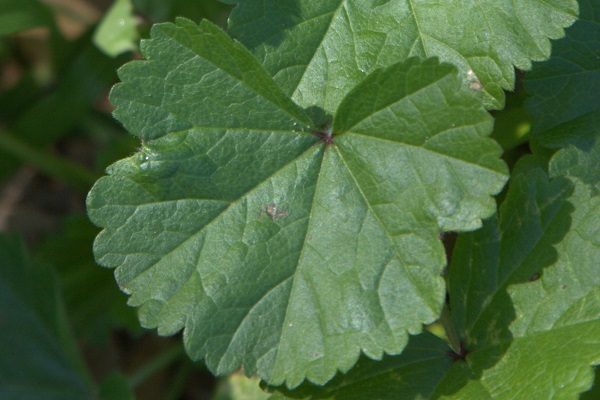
(272, 212)
(474, 83)
(535, 277)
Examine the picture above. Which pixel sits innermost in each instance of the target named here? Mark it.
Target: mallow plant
(289, 205)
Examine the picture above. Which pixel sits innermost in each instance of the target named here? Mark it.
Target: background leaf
(39, 356)
(239, 387)
(411, 375)
(276, 244)
(318, 51)
(117, 32)
(524, 293)
(81, 81)
(115, 387)
(17, 16)
(565, 88)
(160, 10)
(94, 304)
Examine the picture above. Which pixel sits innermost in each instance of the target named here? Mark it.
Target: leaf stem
(161, 361)
(73, 174)
(178, 381)
(451, 334)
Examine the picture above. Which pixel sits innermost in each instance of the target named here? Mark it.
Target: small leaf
(278, 245)
(238, 387)
(319, 50)
(39, 355)
(566, 87)
(116, 33)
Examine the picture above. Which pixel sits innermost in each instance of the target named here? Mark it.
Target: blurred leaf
(116, 33)
(41, 122)
(512, 124)
(566, 100)
(110, 140)
(239, 387)
(161, 10)
(116, 387)
(93, 301)
(89, 76)
(39, 356)
(20, 15)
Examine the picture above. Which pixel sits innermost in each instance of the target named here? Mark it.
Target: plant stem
(160, 362)
(453, 339)
(71, 173)
(178, 380)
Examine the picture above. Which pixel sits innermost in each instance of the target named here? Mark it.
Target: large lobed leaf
(280, 250)
(318, 50)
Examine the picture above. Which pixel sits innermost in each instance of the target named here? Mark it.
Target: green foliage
(289, 204)
(117, 33)
(238, 387)
(411, 375)
(295, 272)
(565, 88)
(524, 292)
(318, 51)
(115, 387)
(161, 10)
(39, 359)
(17, 16)
(92, 316)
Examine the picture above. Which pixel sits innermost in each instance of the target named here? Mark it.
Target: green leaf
(566, 87)
(524, 294)
(594, 392)
(411, 375)
(238, 387)
(317, 51)
(115, 387)
(281, 246)
(39, 356)
(160, 10)
(116, 33)
(93, 302)
(583, 164)
(17, 16)
(85, 79)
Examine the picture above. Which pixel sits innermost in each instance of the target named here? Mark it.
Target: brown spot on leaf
(273, 213)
